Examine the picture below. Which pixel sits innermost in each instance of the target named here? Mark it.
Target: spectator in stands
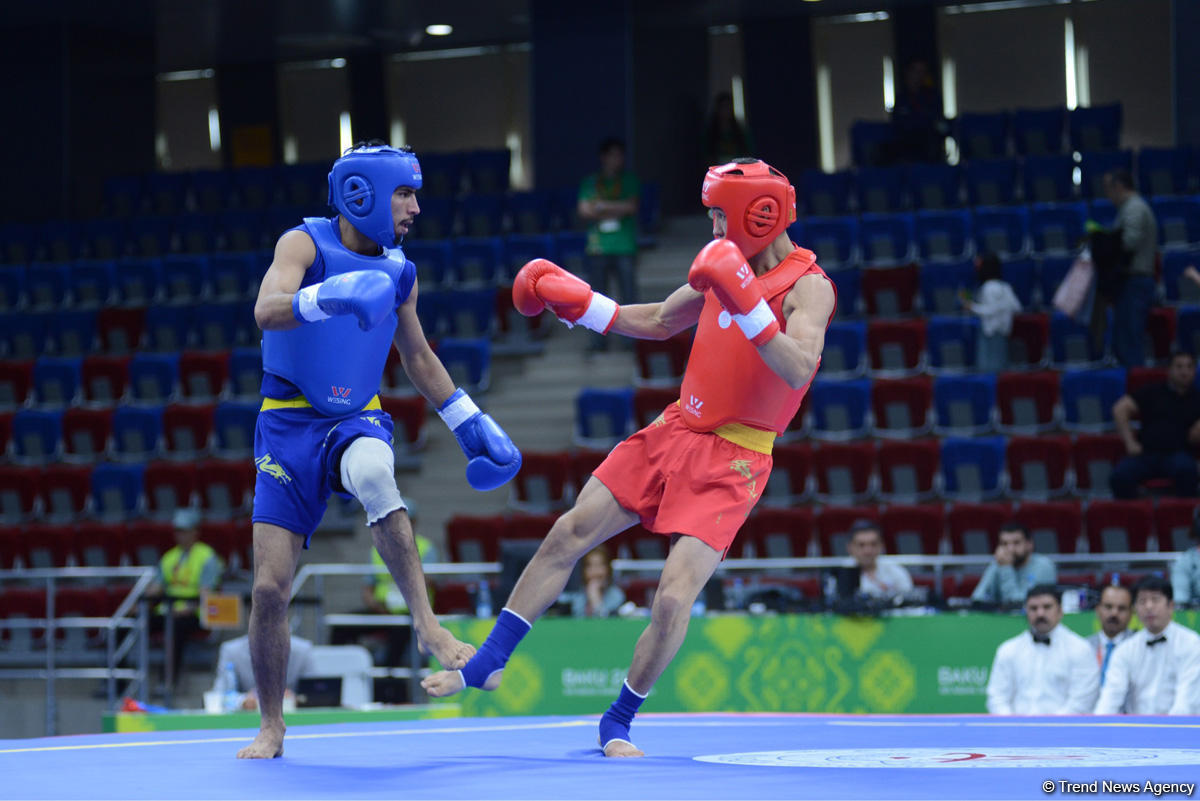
(1113, 613)
(1133, 294)
(879, 577)
(608, 200)
(1170, 416)
(1157, 670)
(600, 597)
(995, 306)
(184, 573)
(1185, 573)
(725, 137)
(1047, 669)
(236, 652)
(918, 127)
(1015, 570)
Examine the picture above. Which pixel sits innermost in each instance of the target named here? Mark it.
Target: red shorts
(680, 481)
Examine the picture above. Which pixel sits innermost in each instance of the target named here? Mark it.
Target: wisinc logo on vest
(340, 396)
(693, 405)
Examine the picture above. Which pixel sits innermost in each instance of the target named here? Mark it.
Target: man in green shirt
(608, 200)
(1015, 570)
(185, 572)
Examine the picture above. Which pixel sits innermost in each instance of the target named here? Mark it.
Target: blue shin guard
(614, 725)
(496, 649)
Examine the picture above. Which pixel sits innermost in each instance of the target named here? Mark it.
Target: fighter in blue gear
(337, 297)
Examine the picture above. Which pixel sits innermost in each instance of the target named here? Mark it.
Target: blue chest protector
(334, 363)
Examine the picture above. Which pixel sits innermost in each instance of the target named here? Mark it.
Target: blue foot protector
(496, 649)
(614, 724)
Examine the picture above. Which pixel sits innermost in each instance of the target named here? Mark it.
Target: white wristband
(753, 322)
(600, 313)
(458, 412)
(306, 304)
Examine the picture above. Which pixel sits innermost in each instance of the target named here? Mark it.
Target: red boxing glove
(721, 267)
(542, 284)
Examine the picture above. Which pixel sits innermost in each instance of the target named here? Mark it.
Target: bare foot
(449, 682)
(450, 652)
(617, 748)
(267, 745)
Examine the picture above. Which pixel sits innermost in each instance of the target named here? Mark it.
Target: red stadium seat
(65, 490)
(775, 534)
(1119, 526)
(1029, 340)
(168, 486)
(1027, 402)
(896, 347)
(901, 407)
(20, 493)
(649, 403)
(1173, 523)
(790, 468)
(225, 487)
(147, 541)
(1094, 456)
(974, 528)
(28, 604)
(120, 329)
(583, 462)
(105, 379)
(187, 429)
(834, 523)
(100, 544)
(843, 471)
(47, 546)
(1055, 526)
(86, 433)
(1160, 326)
(891, 288)
(16, 383)
(543, 481)
(907, 469)
(203, 375)
(475, 539)
(661, 362)
(1037, 466)
(913, 529)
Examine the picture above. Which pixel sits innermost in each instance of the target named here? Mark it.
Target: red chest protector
(726, 381)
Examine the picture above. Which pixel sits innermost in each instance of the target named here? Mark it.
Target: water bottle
(231, 699)
(737, 594)
(830, 589)
(483, 600)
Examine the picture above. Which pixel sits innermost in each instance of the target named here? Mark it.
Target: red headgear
(758, 201)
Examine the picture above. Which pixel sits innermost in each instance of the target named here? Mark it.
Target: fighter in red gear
(762, 306)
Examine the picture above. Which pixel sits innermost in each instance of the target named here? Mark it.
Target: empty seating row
(115, 544)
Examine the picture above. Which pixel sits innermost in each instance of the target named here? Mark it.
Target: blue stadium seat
(941, 285)
(12, 288)
(1003, 231)
(482, 215)
(103, 239)
(848, 283)
(487, 170)
(603, 416)
(166, 191)
(468, 361)
(245, 372)
(117, 490)
(46, 286)
(123, 195)
(304, 185)
(935, 186)
(1048, 179)
(436, 220)
(277, 220)
(992, 182)
(18, 243)
(195, 233)
(982, 136)
(870, 142)
(1103, 211)
(1179, 289)
(564, 208)
(1021, 275)
(1178, 223)
(58, 241)
(150, 237)
(649, 216)
(91, 283)
(824, 194)
(217, 325)
(1093, 165)
(1056, 227)
(572, 251)
(964, 404)
(885, 239)
(844, 355)
(530, 212)
(71, 333)
(943, 235)
(833, 239)
(36, 436)
(1038, 132)
(233, 428)
(1188, 328)
(838, 410)
(972, 469)
(138, 281)
(169, 328)
(880, 190)
(442, 175)
(951, 343)
(467, 313)
(1094, 127)
(432, 260)
(522, 248)
(241, 230)
(477, 260)
(236, 275)
(186, 278)
(1163, 170)
(23, 335)
(56, 380)
(153, 377)
(1071, 343)
(1088, 397)
(212, 190)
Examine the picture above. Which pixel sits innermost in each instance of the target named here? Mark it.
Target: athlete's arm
(661, 320)
(294, 254)
(794, 355)
(422, 365)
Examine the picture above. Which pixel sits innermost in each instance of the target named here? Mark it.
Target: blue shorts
(297, 453)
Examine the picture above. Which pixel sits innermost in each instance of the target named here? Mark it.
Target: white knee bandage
(368, 473)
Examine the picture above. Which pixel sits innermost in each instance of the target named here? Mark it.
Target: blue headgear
(361, 184)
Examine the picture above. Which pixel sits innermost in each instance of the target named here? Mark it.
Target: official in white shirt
(1157, 670)
(1046, 670)
(879, 577)
(1114, 611)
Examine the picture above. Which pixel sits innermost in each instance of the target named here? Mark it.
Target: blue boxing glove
(492, 458)
(369, 295)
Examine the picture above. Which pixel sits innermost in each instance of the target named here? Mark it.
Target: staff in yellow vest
(185, 571)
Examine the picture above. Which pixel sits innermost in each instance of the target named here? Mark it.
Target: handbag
(1071, 296)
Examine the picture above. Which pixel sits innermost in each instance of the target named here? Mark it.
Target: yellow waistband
(749, 437)
(302, 403)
